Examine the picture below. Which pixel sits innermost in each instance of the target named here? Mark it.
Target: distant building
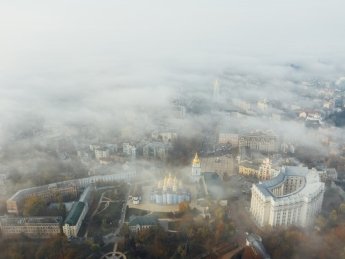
(49, 193)
(259, 141)
(156, 150)
(3, 178)
(93, 147)
(228, 138)
(136, 195)
(129, 150)
(102, 153)
(313, 120)
(243, 105)
(180, 111)
(216, 90)
(329, 174)
(248, 168)
(294, 197)
(69, 188)
(263, 171)
(164, 136)
(138, 223)
(287, 148)
(262, 105)
(33, 227)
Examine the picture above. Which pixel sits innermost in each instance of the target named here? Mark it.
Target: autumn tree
(183, 207)
(34, 206)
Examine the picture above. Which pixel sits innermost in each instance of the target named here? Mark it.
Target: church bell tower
(196, 167)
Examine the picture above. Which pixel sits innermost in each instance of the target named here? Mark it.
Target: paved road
(121, 221)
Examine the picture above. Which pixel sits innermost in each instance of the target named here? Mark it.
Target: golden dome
(196, 159)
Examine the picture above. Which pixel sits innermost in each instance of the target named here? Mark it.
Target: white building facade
(293, 197)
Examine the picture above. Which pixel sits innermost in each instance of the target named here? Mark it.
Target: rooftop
(18, 221)
(147, 220)
(311, 178)
(250, 165)
(75, 213)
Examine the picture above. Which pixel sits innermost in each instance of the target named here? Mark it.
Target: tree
(333, 216)
(342, 208)
(34, 206)
(183, 207)
(320, 222)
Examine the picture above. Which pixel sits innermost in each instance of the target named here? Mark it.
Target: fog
(118, 66)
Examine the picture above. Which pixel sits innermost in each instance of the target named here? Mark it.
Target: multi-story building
(3, 178)
(180, 111)
(102, 153)
(330, 174)
(263, 171)
(262, 105)
(156, 150)
(74, 219)
(259, 141)
(50, 192)
(139, 223)
(293, 197)
(33, 227)
(129, 150)
(248, 168)
(78, 212)
(228, 138)
(242, 104)
(69, 188)
(164, 136)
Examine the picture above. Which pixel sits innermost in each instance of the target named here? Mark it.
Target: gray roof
(286, 172)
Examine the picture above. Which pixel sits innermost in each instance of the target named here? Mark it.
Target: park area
(105, 218)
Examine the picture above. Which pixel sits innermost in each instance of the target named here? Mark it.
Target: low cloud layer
(119, 65)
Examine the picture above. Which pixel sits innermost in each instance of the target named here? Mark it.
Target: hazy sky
(61, 35)
(76, 58)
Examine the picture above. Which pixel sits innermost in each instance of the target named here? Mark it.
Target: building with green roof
(75, 219)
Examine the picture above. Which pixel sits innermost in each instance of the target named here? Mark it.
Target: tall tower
(216, 90)
(196, 167)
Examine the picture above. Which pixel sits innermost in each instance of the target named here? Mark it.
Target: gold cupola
(196, 159)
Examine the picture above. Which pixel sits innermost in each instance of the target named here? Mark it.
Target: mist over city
(180, 129)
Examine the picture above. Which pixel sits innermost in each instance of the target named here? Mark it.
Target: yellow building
(262, 171)
(248, 168)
